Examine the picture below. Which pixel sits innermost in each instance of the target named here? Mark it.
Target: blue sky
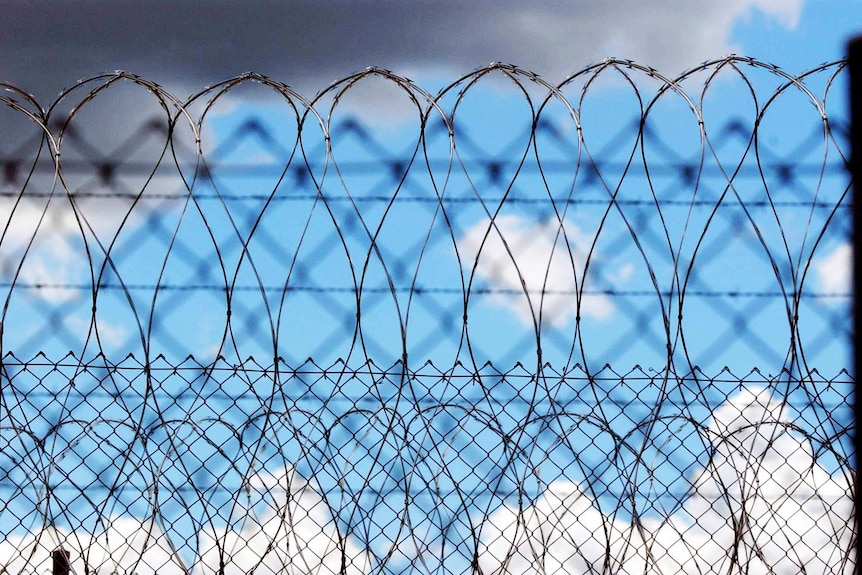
(821, 34)
(554, 38)
(794, 35)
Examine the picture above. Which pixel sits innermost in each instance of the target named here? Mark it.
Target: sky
(47, 46)
(310, 45)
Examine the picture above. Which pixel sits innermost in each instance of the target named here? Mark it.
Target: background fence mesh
(602, 326)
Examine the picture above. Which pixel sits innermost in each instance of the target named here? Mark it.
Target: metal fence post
(854, 57)
(61, 562)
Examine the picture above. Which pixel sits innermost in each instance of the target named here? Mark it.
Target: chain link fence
(509, 327)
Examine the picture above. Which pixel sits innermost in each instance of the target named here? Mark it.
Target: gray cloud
(187, 45)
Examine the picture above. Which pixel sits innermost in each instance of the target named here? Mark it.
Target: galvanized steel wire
(608, 336)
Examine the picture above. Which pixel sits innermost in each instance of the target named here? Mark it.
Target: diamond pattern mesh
(511, 327)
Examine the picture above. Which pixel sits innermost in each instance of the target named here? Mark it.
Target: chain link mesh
(509, 327)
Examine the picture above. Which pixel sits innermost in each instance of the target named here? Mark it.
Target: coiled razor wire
(512, 327)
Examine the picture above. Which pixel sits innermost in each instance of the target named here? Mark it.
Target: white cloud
(786, 12)
(295, 534)
(45, 247)
(546, 258)
(126, 545)
(47, 238)
(834, 270)
(561, 533)
(763, 502)
(110, 334)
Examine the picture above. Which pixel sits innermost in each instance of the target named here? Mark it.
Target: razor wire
(600, 326)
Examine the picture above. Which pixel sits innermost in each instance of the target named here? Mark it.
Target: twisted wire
(250, 331)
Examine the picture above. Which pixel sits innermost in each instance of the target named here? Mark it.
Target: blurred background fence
(602, 326)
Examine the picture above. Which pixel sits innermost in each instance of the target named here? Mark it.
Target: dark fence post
(854, 57)
(62, 563)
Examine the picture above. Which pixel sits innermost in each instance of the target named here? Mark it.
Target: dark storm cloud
(186, 45)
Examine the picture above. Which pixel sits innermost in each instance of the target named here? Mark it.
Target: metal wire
(511, 327)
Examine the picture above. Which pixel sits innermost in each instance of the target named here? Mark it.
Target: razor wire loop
(340, 454)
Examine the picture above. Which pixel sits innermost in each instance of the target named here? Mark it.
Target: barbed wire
(510, 327)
